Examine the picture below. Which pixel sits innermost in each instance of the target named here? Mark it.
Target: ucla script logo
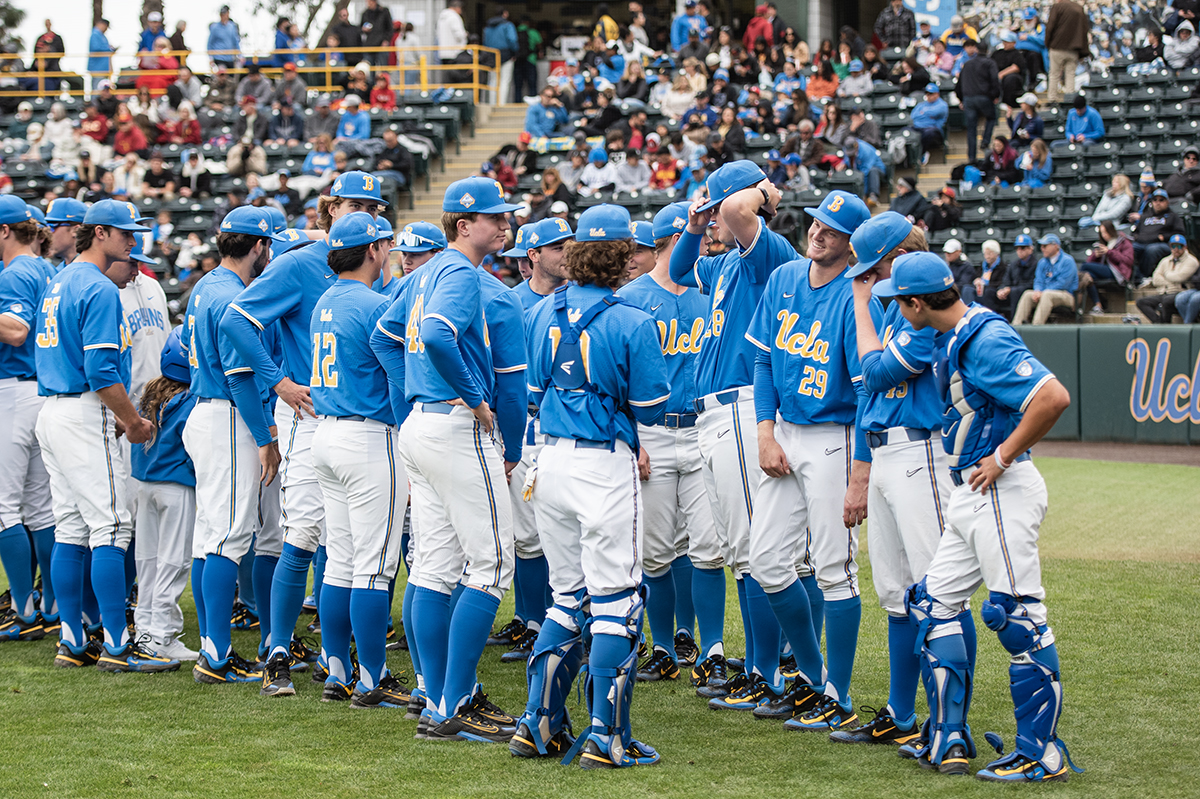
(1154, 398)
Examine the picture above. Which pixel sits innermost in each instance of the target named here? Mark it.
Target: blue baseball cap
(421, 237)
(311, 203)
(1023, 240)
(173, 360)
(856, 66)
(65, 211)
(1008, 36)
(519, 250)
(915, 274)
(247, 219)
(1177, 239)
(141, 243)
(550, 230)
(773, 155)
(357, 186)
(730, 179)
(276, 218)
(476, 195)
(1029, 13)
(842, 211)
(1050, 238)
(36, 214)
(792, 159)
(116, 214)
(875, 238)
(643, 234)
(598, 156)
(1160, 193)
(357, 229)
(670, 220)
(604, 223)
(932, 88)
(288, 240)
(721, 74)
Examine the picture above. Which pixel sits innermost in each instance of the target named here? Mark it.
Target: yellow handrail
(426, 69)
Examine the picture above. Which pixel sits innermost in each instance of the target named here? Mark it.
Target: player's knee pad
(948, 686)
(619, 614)
(571, 611)
(1019, 622)
(553, 666)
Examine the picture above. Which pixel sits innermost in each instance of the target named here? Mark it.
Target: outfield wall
(1127, 382)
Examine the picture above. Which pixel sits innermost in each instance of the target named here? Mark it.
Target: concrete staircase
(495, 127)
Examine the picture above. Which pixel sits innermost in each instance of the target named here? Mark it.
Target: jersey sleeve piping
(1029, 397)
(757, 343)
(100, 347)
(895, 351)
(379, 326)
(648, 403)
(12, 315)
(244, 313)
(449, 324)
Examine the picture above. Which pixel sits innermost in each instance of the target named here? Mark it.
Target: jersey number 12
(324, 358)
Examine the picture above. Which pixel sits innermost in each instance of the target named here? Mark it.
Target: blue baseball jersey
(23, 283)
(810, 338)
(680, 321)
(286, 292)
(504, 324)
(391, 289)
(528, 297)
(987, 377)
(347, 379)
(734, 283)
(621, 359)
(212, 357)
(82, 344)
(164, 460)
(901, 389)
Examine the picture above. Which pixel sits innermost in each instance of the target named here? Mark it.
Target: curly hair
(602, 263)
(157, 394)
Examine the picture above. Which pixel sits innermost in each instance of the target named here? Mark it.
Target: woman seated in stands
(1000, 165)
(944, 212)
(633, 84)
(1037, 165)
(1025, 124)
(913, 77)
(319, 160)
(832, 127)
(1113, 205)
(1111, 259)
(679, 99)
(874, 64)
(823, 85)
(731, 130)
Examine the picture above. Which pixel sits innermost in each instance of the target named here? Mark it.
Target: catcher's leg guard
(947, 673)
(553, 665)
(1034, 679)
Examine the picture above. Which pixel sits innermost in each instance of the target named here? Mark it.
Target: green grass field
(1120, 567)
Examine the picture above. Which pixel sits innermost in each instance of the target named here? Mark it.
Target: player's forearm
(13, 332)
(684, 257)
(862, 452)
(512, 403)
(246, 398)
(117, 400)
(401, 407)
(446, 358)
(766, 403)
(1047, 405)
(389, 350)
(649, 415)
(882, 373)
(740, 214)
(244, 337)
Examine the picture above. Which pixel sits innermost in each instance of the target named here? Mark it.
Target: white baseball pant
(799, 518)
(303, 504)
(163, 550)
(675, 505)
(228, 475)
(269, 540)
(78, 438)
(526, 543)
(906, 503)
(728, 441)
(365, 491)
(460, 500)
(24, 485)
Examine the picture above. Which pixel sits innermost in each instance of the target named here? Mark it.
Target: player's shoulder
(638, 289)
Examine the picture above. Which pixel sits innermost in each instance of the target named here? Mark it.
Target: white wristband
(1000, 461)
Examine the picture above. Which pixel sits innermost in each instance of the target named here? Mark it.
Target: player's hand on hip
(140, 431)
(269, 458)
(854, 511)
(643, 464)
(987, 472)
(298, 397)
(771, 457)
(484, 414)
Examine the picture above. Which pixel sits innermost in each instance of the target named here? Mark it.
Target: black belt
(533, 409)
(580, 443)
(27, 379)
(881, 439)
(443, 408)
(679, 421)
(69, 394)
(957, 478)
(725, 398)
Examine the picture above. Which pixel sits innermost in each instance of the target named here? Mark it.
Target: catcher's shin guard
(946, 672)
(553, 665)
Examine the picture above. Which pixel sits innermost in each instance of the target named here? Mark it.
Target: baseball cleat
(955, 762)
(397, 639)
(800, 699)
(302, 652)
(234, 668)
(51, 625)
(1019, 769)
(69, 657)
(522, 744)
(736, 664)
(735, 683)
(710, 671)
(788, 668)
(416, 703)
(826, 716)
(14, 628)
(756, 692)
(134, 657)
(424, 722)
(882, 729)
(912, 749)
(468, 724)
(310, 604)
(336, 691)
(277, 677)
(686, 649)
(389, 693)
(244, 618)
(173, 649)
(508, 635)
(481, 705)
(520, 652)
(636, 754)
(314, 626)
(660, 666)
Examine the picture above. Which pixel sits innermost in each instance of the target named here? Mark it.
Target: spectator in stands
(865, 158)
(129, 177)
(1152, 232)
(691, 185)
(842, 60)
(875, 65)
(1111, 259)
(805, 144)
(991, 276)
(1031, 41)
(256, 85)
(858, 83)
(865, 129)
(382, 96)
(451, 32)
(944, 211)
(545, 117)
(1037, 165)
(704, 110)
(717, 155)
(824, 84)
(158, 182)
(1180, 49)
(572, 171)
(789, 79)
(249, 132)
(1152, 51)
(912, 77)
(349, 35)
(94, 125)
(290, 89)
(394, 161)
(153, 31)
(664, 171)
(940, 61)
(158, 58)
(553, 187)
(89, 171)
(223, 35)
(319, 161)
(286, 128)
(957, 35)
(731, 130)
(1113, 206)
(1000, 165)
(183, 129)
(189, 86)
(832, 128)
(129, 137)
(355, 124)
(518, 156)
(633, 82)
(848, 35)
(1010, 64)
(1185, 182)
(683, 23)
(49, 44)
(1084, 126)
(222, 90)
(963, 271)
(1187, 305)
(634, 174)
(1142, 201)
(57, 128)
(99, 63)
(179, 45)
(929, 120)
(896, 26)
(501, 34)
(979, 90)
(599, 175)
(908, 202)
(696, 76)
(1026, 124)
(758, 27)
(322, 122)
(1018, 277)
(18, 128)
(1170, 277)
(376, 28)
(287, 197)
(1055, 284)
(1067, 40)
(358, 80)
(922, 44)
(774, 169)
(795, 174)
(194, 178)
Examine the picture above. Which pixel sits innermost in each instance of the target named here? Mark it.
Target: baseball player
(25, 505)
(807, 396)
(83, 372)
(417, 242)
(287, 293)
(453, 377)
(910, 481)
(356, 460)
(678, 517)
(596, 370)
(643, 258)
(166, 508)
(741, 199)
(542, 244)
(230, 439)
(998, 401)
(64, 215)
(146, 316)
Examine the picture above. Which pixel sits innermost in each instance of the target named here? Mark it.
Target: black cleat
(801, 699)
(715, 690)
(234, 669)
(788, 668)
(637, 754)
(468, 724)
(67, 658)
(416, 703)
(686, 649)
(757, 691)
(880, 730)
(736, 664)
(336, 691)
(14, 628)
(302, 652)
(277, 677)
(481, 705)
(522, 744)
(244, 618)
(710, 671)
(520, 652)
(314, 626)
(389, 693)
(955, 762)
(659, 666)
(508, 635)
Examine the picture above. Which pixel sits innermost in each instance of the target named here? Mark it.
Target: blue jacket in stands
(1089, 125)
(928, 114)
(1060, 274)
(541, 120)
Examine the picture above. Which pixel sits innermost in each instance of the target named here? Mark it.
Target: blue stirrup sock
(410, 630)
(108, 581)
(748, 629)
(842, 619)
(970, 640)
(368, 621)
(220, 581)
(530, 578)
(470, 623)
(431, 620)
(318, 563)
(766, 634)
(198, 595)
(708, 598)
(456, 595)
(335, 631)
(685, 609)
(91, 607)
(792, 610)
(660, 610)
(246, 589)
(68, 566)
(816, 601)
(261, 577)
(287, 594)
(904, 669)
(15, 554)
(43, 547)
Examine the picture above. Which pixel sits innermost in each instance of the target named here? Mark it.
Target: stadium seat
(1051, 191)
(975, 216)
(1043, 212)
(1007, 212)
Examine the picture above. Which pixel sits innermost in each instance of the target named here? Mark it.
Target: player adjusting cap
(519, 248)
(174, 358)
(420, 237)
(1050, 238)
(276, 218)
(730, 179)
(643, 234)
(476, 195)
(875, 238)
(141, 245)
(247, 219)
(604, 223)
(842, 211)
(548, 231)
(357, 229)
(1177, 239)
(1023, 240)
(357, 186)
(670, 220)
(915, 274)
(65, 211)
(114, 213)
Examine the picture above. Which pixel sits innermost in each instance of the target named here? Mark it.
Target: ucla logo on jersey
(676, 342)
(326, 314)
(806, 345)
(1024, 369)
(466, 201)
(573, 314)
(597, 233)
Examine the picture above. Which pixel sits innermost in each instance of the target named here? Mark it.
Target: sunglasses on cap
(406, 238)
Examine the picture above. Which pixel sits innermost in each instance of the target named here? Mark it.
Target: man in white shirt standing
(451, 32)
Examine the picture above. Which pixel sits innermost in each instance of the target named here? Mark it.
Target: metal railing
(417, 69)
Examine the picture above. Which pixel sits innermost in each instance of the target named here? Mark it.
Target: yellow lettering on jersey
(192, 361)
(813, 383)
(49, 335)
(315, 380)
(126, 337)
(718, 322)
(674, 342)
(412, 329)
(898, 392)
(555, 337)
(585, 347)
(323, 373)
(487, 336)
(326, 314)
(806, 345)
